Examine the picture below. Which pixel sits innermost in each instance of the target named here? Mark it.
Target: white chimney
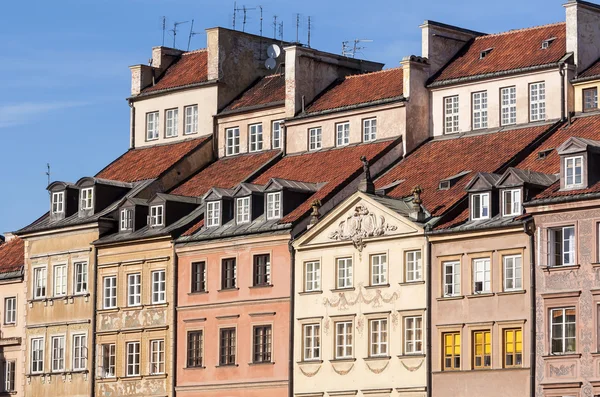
(583, 32)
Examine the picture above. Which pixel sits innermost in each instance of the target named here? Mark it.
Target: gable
(510, 180)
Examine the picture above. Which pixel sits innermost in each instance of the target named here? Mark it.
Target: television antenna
(48, 173)
(350, 50)
(281, 31)
(244, 10)
(174, 30)
(274, 26)
(192, 34)
(309, 26)
(164, 28)
(261, 20)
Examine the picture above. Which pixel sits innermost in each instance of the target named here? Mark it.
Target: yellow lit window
(451, 351)
(513, 348)
(482, 345)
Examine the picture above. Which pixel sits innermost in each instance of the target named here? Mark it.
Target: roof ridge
(195, 51)
(372, 73)
(520, 30)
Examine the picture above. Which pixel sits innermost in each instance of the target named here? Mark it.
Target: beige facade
(360, 303)
(580, 89)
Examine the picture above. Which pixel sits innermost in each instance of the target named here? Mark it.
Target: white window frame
(10, 310)
(132, 363)
(126, 219)
(171, 123)
(378, 337)
(60, 280)
(370, 129)
(157, 215)
(563, 325)
(86, 198)
(80, 284)
(277, 134)
(537, 101)
(152, 126)
(451, 280)
(58, 202)
(242, 210)
(255, 133)
(508, 105)
(484, 204)
(315, 138)
(157, 357)
(232, 141)
(413, 335)
(312, 276)
(379, 269)
(343, 339)
(482, 273)
(37, 281)
(108, 357)
(57, 349)
(570, 243)
(451, 114)
(342, 134)
(273, 205)
(571, 165)
(514, 263)
(109, 287)
(590, 99)
(213, 213)
(311, 346)
(159, 286)
(479, 103)
(134, 289)
(414, 266)
(191, 119)
(515, 202)
(37, 360)
(79, 352)
(9, 376)
(343, 270)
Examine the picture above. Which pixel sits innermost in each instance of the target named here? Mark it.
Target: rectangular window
(537, 101)
(9, 376)
(378, 331)
(157, 357)
(273, 205)
(482, 349)
(369, 130)
(256, 137)
(343, 339)
(451, 278)
(108, 363)
(171, 122)
(79, 352)
(451, 114)
(58, 203)
(511, 202)
(233, 141)
(152, 126)
(198, 277)
(563, 331)
(60, 280)
(81, 277)
(379, 269)
(276, 134)
(312, 276)
(312, 342)
(156, 215)
(561, 246)
(508, 98)
(513, 273)
(590, 99)
(262, 269)
(413, 335)
(134, 289)
(513, 348)
(451, 351)
(480, 110)
(126, 219)
(87, 198)
(315, 139)
(10, 310)
(194, 349)
(342, 134)
(344, 272)
(414, 266)
(480, 206)
(573, 171)
(133, 359)
(58, 353)
(228, 273)
(39, 282)
(110, 292)
(482, 276)
(159, 293)
(37, 355)
(242, 213)
(213, 217)
(262, 344)
(227, 346)
(191, 119)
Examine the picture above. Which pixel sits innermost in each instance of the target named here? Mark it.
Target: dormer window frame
(484, 197)
(213, 213)
(242, 210)
(60, 204)
(514, 193)
(274, 211)
(547, 43)
(484, 53)
(574, 184)
(86, 198)
(126, 222)
(157, 216)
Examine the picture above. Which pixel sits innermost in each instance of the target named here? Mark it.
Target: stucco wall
(579, 93)
(13, 335)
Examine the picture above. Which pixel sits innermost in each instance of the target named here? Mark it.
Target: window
(191, 119)
(563, 331)
(513, 348)
(379, 269)
(451, 114)
(481, 276)
(199, 277)
(344, 273)
(262, 344)
(110, 292)
(134, 295)
(590, 99)
(312, 276)
(513, 273)
(315, 138)
(126, 219)
(537, 101)
(273, 205)
(342, 134)
(573, 171)
(213, 218)
(451, 278)
(159, 286)
(37, 355)
(9, 376)
(227, 347)
(511, 202)
(228, 273)
(156, 215)
(58, 353)
(451, 351)
(242, 213)
(480, 206)
(414, 266)
(194, 349)
(343, 339)
(81, 277)
(151, 126)
(133, 359)
(480, 116)
(79, 352)
(157, 357)
(262, 269)
(561, 246)
(233, 141)
(87, 198)
(508, 97)
(379, 338)
(39, 282)
(482, 349)
(312, 342)
(369, 130)
(413, 335)
(276, 132)
(256, 137)
(58, 203)
(60, 280)
(108, 357)
(10, 310)
(171, 122)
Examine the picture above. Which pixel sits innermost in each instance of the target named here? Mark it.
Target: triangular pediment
(576, 145)
(482, 181)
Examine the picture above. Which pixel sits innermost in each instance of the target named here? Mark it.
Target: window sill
(198, 293)
(228, 289)
(377, 286)
(309, 362)
(156, 376)
(310, 292)
(343, 360)
(450, 298)
(109, 310)
(262, 363)
(11, 325)
(562, 356)
(416, 355)
(348, 289)
(551, 269)
(377, 358)
(261, 286)
(418, 282)
(516, 292)
(138, 307)
(131, 378)
(595, 265)
(157, 305)
(192, 368)
(482, 295)
(107, 380)
(227, 366)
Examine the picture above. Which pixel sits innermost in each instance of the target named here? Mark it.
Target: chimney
(583, 32)
(7, 237)
(417, 214)
(366, 185)
(143, 76)
(314, 215)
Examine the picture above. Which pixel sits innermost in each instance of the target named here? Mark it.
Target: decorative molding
(562, 370)
(360, 225)
(310, 374)
(377, 371)
(413, 368)
(342, 371)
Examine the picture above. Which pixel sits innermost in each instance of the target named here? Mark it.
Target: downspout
(174, 277)
(292, 322)
(284, 138)
(132, 125)
(428, 358)
(93, 325)
(561, 71)
(530, 230)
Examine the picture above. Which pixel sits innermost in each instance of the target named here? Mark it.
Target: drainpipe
(94, 300)
(561, 70)
(132, 125)
(292, 322)
(530, 230)
(428, 319)
(284, 138)
(174, 277)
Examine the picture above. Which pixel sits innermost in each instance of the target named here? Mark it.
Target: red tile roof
(12, 255)
(592, 71)
(511, 50)
(267, 90)
(332, 167)
(226, 173)
(360, 89)
(194, 228)
(148, 162)
(190, 68)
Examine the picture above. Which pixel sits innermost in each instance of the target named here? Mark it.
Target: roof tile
(267, 90)
(190, 68)
(12, 255)
(592, 71)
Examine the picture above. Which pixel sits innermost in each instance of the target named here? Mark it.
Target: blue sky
(64, 70)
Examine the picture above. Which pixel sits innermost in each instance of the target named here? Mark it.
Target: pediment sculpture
(360, 225)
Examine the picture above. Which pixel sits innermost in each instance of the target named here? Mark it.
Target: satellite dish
(273, 51)
(270, 63)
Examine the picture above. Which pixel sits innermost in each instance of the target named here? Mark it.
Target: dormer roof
(102, 181)
(523, 177)
(577, 145)
(175, 198)
(483, 181)
(218, 193)
(246, 189)
(60, 185)
(275, 184)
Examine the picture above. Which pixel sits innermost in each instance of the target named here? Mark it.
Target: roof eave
(150, 94)
(251, 108)
(386, 101)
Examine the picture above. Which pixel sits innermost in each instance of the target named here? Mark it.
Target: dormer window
(156, 215)
(546, 43)
(126, 219)
(213, 213)
(274, 205)
(242, 210)
(485, 53)
(480, 206)
(573, 171)
(511, 202)
(58, 202)
(87, 198)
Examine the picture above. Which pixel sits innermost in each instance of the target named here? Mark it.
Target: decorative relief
(413, 368)
(376, 300)
(145, 387)
(562, 370)
(342, 371)
(359, 226)
(377, 371)
(310, 374)
(132, 319)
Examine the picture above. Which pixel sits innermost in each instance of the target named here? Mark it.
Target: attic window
(546, 43)
(542, 154)
(213, 213)
(58, 200)
(447, 183)
(87, 196)
(156, 215)
(126, 219)
(485, 53)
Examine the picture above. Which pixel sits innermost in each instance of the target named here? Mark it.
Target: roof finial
(366, 185)
(314, 215)
(417, 212)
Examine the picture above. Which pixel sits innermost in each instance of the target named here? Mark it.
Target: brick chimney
(143, 76)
